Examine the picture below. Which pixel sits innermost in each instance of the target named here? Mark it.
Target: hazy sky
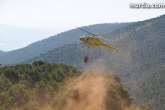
(60, 15)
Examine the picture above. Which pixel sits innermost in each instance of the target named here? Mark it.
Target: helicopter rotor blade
(99, 36)
(86, 31)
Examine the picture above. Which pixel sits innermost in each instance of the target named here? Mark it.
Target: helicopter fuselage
(92, 41)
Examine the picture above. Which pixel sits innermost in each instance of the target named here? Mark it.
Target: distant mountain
(142, 43)
(69, 37)
(1, 52)
(141, 60)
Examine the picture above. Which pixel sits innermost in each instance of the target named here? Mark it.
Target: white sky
(60, 15)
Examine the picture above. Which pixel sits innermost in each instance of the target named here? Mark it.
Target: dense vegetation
(44, 86)
(30, 86)
(150, 88)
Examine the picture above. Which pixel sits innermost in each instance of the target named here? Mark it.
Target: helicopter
(95, 41)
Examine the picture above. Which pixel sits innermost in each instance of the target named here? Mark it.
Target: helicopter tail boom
(117, 49)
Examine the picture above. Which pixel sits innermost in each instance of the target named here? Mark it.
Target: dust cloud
(97, 90)
(93, 89)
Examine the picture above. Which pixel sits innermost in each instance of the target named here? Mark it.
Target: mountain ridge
(137, 36)
(2, 52)
(68, 37)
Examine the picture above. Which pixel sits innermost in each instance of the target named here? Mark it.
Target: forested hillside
(26, 87)
(142, 47)
(43, 86)
(142, 52)
(149, 88)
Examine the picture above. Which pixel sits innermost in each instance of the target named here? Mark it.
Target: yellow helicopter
(93, 40)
